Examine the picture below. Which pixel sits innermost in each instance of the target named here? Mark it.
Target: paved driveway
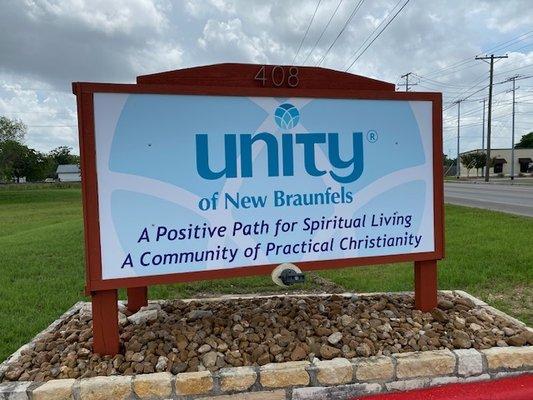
(512, 199)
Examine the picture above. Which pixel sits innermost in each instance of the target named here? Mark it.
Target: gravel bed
(179, 336)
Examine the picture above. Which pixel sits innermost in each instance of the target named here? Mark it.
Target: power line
(356, 8)
(450, 93)
(461, 94)
(451, 67)
(497, 47)
(449, 125)
(306, 32)
(438, 83)
(434, 82)
(514, 69)
(377, 36)
(475, 100)
(497, 83)
(323, 31)
(479, 123)
(505, 44)
(383, 21)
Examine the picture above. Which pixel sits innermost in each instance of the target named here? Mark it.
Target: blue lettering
(244, 201)
(246, 153)
(202, 158)
(352, 166)
(356, 162)
(145, 254)
(309, 140)
(288, 154)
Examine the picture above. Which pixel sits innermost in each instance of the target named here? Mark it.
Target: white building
(68, 173)
(523, 163)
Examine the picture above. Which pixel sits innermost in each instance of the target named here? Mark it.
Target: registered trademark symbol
(372, 136)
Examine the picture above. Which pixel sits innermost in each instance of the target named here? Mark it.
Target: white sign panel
(193, 183)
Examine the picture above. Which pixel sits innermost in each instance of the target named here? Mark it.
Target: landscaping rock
(182, 337)
(142, 317)
(162, 364)
(517, 340)
(461, 340)
(197, 314)
(445, 304)
(299, 353)
(329, 352)
(335, 338)
(210, 359)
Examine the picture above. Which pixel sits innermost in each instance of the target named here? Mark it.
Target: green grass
(488, 254)
(41, 260)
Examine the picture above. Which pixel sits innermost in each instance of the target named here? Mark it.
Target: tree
(18, 160)
(526, 142)
(448, 161)
(61, 155)
(479, 160)
(49, 167)
(468, 160)
(12, 129)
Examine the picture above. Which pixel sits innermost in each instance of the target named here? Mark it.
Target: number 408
(278, 76)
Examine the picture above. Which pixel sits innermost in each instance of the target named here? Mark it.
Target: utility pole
(483, 136)
(513, 79)
(406, 76)
(492, 57)
(458, 161)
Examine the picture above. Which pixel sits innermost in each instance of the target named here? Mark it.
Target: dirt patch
(178, 336)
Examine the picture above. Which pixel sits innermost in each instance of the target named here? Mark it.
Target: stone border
(296, 380)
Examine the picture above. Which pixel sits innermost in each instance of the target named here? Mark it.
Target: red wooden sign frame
(238, 80)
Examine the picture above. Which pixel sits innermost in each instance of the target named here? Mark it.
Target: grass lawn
(488, 254)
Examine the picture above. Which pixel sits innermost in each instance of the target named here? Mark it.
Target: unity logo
(286, 116)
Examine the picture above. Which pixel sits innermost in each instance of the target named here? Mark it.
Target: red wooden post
(137, 298)
(425, 285)
(105, 322)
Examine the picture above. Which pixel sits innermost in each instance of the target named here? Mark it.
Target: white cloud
(156, 57)
(228, 39)
(110, 17)
(49, 114)
(50, 43)
(511, 15)
(206, 7)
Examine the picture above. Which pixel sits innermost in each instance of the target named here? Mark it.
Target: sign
(231, 169)
(191, 183)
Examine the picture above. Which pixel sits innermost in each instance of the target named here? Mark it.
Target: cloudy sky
(47, 44)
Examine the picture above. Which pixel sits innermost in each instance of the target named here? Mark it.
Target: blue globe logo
(287, 116)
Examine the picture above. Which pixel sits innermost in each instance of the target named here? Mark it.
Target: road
(512, 199)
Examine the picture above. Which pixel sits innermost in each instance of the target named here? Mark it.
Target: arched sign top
(255, 76)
